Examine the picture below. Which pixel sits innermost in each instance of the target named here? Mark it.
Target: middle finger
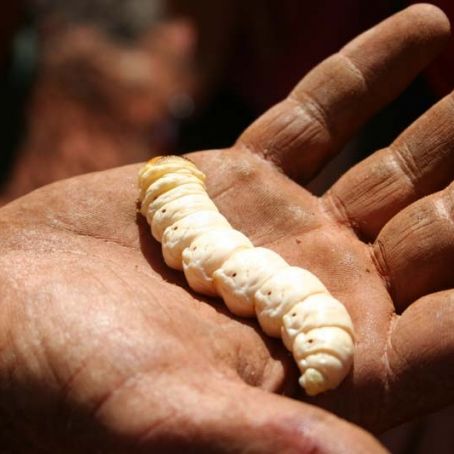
(418, 163)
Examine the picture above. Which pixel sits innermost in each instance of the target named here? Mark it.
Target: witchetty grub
(217, 260)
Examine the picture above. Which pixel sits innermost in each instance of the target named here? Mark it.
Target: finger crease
(389, 372)
(334, 206)
(378, 257)
(309, 106)
(354, 69)
(444, 207)
(406, 163)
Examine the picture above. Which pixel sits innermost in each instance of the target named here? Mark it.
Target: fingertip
(430, 19)
(422, 24)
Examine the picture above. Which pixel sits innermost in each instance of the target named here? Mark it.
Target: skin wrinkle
(247, 139)
(144, 376)
(220, 412)
(29, 244)
(307, 106)
(224, 191)
(444, 207)
(285, 139)
(32, 348)
(49, 364)
(66, 389)
(124, 382)
(166, 367)
(269, 150)
(265, 152)
(418, 223)
(392, 163)
(388, 369)
(279, 384)
(385, 177)
(338, 122)
(349, 62)
(147, 433)
(378, 257)
(172, 416)
(226, 355)
(71, 230)
(407, 164)
(357, 200)
(243, 368)
(335, 209)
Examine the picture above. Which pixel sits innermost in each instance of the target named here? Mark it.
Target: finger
(231, 417)
(420, 356)
(414, 250)
(301, 133)
(418, 163)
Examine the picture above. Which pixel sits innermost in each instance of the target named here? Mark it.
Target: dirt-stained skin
(104, 349)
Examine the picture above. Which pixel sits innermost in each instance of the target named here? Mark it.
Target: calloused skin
(105, 349)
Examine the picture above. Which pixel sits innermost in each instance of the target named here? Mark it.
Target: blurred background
(86, 85)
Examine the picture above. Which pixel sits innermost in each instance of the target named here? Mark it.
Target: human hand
(103, 347)
(397, 288)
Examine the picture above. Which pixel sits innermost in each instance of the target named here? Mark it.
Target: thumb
(233, 417)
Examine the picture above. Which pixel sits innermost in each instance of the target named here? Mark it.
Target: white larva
(207, 253)
(149, 208)
(323, 372)
(219, 261)
(173, 211)
(157, 167)
(180, 235)
(280, 293)
(166, 183)
(320, 372)
(242, 274)
(316, 311)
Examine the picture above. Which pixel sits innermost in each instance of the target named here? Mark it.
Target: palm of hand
(125, 349)
(120, 351)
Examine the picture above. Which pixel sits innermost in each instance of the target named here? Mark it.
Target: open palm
(103, 348)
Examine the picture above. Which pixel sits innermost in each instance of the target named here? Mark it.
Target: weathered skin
(103, 348)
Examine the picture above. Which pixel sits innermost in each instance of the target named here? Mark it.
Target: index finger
(332, 102)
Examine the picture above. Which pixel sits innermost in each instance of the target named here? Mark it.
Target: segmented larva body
(217, 260)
